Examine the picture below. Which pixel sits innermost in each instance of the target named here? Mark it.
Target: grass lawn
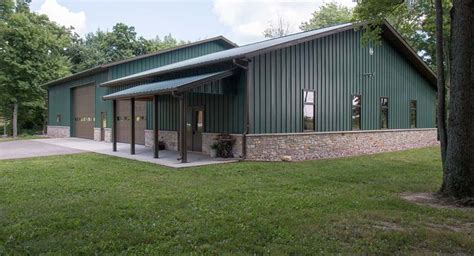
(90, 203)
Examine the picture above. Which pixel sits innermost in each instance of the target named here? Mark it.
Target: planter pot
(213, 153)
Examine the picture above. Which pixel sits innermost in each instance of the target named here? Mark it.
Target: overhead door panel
(124, 122)
(84, 111)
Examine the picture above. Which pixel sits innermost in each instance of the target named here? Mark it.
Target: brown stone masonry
(307, 146)
(209, 138)
(169, 137)
(171, 141)
(58, 131)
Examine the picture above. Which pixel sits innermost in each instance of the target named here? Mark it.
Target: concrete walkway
(76, 145)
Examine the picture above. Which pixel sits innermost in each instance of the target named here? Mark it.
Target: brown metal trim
(248, 82)
(182, 128)
(156, 147)
(132, 120)
(114, 125)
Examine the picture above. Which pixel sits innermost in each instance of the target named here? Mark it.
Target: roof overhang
(174, 86)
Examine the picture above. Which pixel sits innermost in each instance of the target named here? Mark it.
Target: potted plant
(213, 151)
(161, 145)
(224, 146)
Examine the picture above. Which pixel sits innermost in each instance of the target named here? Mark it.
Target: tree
(120, 43)
(327, 15)
(278, 29)
(457, 136)
(458, 180)
(31, 53)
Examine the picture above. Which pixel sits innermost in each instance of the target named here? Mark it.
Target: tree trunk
(4, 127)
(440, 82)
(15, 119)
(458, 180)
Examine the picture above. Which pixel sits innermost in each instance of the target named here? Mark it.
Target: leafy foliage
(31, 53)
(105, 47)
(414, 20)
(329, 14)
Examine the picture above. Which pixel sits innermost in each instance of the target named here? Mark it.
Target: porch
(192, 106)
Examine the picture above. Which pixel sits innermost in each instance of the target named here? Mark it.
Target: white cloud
(64, 16)
(249, 18)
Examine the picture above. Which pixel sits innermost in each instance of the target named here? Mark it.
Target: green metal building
(310, 95)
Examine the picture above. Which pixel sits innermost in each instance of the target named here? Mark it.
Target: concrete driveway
(32, 148)
(51, 147)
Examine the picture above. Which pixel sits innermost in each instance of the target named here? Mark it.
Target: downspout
(181, 126)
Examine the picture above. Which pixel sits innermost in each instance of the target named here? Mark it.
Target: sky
(242, 21)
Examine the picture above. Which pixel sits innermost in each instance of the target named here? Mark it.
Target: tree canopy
(31, 53)
(120, 43)
(414, 20)
(328, 14)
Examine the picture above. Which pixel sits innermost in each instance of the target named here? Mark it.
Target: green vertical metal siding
(333, 66)
(60, 101)
(223, 110)
(133, 67)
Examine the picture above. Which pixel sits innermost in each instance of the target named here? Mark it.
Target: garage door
(83, 111)
(124, 122)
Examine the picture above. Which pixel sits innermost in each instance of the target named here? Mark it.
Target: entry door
(194, 128)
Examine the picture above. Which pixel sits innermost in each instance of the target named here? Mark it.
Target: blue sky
(242, 21)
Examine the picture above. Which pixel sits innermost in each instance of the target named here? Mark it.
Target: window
(199, 121)
(413, 114)
(356, 103)
(58, 119)
(308, 110)
(383, 113)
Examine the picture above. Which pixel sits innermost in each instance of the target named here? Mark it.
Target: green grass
(89, 203)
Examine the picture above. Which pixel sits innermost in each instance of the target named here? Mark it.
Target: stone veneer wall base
(58, 131)
(309, 146)
(97, 134)
(107, 134)
(171, 141)
(209, 138)
(169, 137)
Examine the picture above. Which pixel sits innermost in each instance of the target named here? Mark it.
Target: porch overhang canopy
(169, 86)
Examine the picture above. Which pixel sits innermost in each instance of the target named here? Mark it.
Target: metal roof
(105, 66)
(234, 53)
(247, 51)
(168, 86)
